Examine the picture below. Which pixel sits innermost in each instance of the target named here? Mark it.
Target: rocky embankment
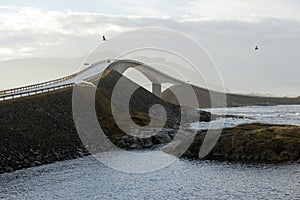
(38, 130)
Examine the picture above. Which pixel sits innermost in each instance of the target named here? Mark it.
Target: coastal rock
(205, 116)
(146, 142)
(162, 138)
(252, 143)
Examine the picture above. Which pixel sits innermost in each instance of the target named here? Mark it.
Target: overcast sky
(227, 29)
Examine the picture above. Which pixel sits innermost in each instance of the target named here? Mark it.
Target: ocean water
(285, 114)
(87, 178)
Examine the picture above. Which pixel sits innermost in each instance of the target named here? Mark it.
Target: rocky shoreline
(250, 143)
(40, 129)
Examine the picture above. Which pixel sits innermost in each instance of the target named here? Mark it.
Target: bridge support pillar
(156, 89)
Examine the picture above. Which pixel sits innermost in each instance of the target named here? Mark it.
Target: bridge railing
(34, 86)
(33, 92)
(39, 88)
(38, 85)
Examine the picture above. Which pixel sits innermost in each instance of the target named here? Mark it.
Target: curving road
(95, 69)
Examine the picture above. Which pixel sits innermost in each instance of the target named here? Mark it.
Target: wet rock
(205, 116)
(162, 137)
(37, 163)
(38, 158)
(146, 142)
(135, 146)
(8, 169)
(121, 143)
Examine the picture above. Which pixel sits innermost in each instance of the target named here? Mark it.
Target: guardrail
(33, 86)
(29, 87)
(28, 90)
(33, 92)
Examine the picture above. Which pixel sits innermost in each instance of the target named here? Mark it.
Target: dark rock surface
(37, 131)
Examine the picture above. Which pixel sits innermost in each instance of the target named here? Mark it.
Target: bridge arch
(123, 65)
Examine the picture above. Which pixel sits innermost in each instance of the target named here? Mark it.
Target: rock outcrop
(253, 143)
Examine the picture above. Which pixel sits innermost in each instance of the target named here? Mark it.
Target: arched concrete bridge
(156, 77)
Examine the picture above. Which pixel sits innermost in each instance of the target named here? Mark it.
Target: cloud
(6, 51)
(41, 31)
(32, 30)
(241, 10)
(35, 32)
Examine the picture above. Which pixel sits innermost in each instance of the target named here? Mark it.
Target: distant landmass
(232, 100)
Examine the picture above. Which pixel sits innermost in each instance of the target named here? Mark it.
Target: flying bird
(256, 47)
(103, 37)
